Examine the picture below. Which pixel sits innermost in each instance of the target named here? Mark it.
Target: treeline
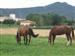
(8, 21)
(49, 19)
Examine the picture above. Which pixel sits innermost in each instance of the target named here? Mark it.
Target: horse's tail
(32, 33)
(73, 34)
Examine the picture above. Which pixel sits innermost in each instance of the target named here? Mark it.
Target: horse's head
(36, 35)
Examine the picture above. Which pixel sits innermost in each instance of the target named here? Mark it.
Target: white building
(11, 16)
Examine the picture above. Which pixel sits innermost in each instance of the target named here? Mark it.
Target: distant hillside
(59, 8)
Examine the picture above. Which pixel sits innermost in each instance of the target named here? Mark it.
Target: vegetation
(42, 20)
(49, 19)
(9, 26)
(35, 17)
(9, 21)
(38, 47)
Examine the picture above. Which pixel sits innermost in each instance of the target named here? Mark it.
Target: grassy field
(38, 47)
(8, 26)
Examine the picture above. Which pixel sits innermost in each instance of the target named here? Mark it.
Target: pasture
(38, 47)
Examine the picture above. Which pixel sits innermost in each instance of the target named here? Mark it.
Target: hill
(58, 8)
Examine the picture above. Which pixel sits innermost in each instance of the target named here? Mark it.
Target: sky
(30, 3)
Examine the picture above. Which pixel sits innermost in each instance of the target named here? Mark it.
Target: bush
(9, 21)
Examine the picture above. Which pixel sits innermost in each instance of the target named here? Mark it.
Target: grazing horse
(25, 31)
(59, 30)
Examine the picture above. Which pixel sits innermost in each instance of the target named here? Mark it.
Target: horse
(60, 30)
(25, 32)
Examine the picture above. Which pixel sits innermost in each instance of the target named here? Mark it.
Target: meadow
(38, 47)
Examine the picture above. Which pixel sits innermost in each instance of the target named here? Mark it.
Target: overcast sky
(30, 3)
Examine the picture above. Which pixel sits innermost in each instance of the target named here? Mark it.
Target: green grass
(38, 47)
(9, 26)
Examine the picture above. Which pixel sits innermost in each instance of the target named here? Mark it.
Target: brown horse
(25, 31)
(59, 30)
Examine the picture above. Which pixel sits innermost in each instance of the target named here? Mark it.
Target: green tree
(9, 21)
(35, 17)
(46, 19)
(70, 22)
(56, 19)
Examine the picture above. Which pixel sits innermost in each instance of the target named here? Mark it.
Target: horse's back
(22, 30)
(61, 29)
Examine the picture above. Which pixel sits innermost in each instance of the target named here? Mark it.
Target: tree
(70, 22)
(9, 21)
(56, 19)
(37, 18)
(46, 19)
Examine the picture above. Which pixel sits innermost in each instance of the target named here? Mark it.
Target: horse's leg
(19, 39)
(29, 38)
(26, 40)
(67, 39)
(70, 39)
(49, 38)
(54, 38)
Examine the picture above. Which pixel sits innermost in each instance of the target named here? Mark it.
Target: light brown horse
(59, 30)
(25, 31)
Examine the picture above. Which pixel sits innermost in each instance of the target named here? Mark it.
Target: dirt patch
(12, 31)
(8, 31)
(42, 32)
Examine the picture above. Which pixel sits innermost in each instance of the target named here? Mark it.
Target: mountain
(58, 8)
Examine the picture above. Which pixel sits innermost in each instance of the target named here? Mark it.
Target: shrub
(9, 21)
